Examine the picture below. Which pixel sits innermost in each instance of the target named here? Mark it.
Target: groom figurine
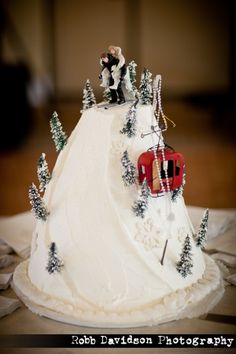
(113, 73)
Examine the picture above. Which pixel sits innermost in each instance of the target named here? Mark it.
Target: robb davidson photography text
(163, 340)
(118, 341)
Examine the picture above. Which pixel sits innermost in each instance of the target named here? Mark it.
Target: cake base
(190, 302)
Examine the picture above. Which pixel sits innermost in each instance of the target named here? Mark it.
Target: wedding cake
(112, 247)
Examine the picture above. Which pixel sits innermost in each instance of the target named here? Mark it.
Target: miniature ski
(110, 105)
(106, 105)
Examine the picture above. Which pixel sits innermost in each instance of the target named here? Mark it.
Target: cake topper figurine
(114, 74)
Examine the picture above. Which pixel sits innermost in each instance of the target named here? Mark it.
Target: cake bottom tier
(192, 301)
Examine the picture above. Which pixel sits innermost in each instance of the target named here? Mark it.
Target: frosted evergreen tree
(107, 95)
(132, 74)
(141, 205)
(145, 88)
(130, 128)
(176, 193)
(179, 191)
(89, 99)
(38, 206)
(129, 170)
(43, 173)
(202, 233)
(58, 135)
(185, 263)
(54, 263)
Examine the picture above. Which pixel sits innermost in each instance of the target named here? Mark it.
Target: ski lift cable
(161, 147)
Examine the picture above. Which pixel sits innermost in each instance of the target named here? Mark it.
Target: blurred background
(48, 48)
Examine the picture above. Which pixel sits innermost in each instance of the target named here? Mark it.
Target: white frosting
(192, 301)
(111, 257)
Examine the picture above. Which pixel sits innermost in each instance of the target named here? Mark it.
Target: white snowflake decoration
(117, 148)
(148, 235)
(181, 234)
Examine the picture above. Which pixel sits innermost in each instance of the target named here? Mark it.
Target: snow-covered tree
(129, 170)
(185, 263)
(38, 206)
(202, 232)
(54, 263)
(89, 99)
(107, 95)
(141, 204)
(176, 193)
(132, 74)
(43, 172)
(145, 88)
(129, 128)
(179, 191)
(58, 135)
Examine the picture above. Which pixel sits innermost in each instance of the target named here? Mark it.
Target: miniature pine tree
(141, 205)
(132, 74)
(202, 233)
(89, 99)
(130, 121)
(107, 95)
(179, 191)
(129, 170)
(54, 263)
(176, 193)
(185, 263)
(37, 203)
(43, 173)
(58, 135)
(145, 88)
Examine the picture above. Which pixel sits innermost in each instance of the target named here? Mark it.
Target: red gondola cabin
(147, 168)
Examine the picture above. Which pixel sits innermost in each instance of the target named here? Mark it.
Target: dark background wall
(188, 41)
(48, 48)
